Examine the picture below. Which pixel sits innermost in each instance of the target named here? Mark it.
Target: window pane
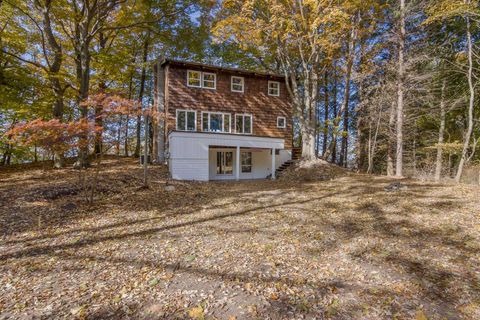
(181, 120)
(216, 123)
(205, 121)
(226, 119)
(194, 79)
(238, 124)
(247, 127)
(228, 169)
(274, 88)
(237, 84)
(209, 80)
(191, 121)
(246, 161)
(281, 122)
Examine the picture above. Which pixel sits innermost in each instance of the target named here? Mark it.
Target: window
(198, 79)
(193, 79)
(237, 84)
(281, 122)
(215, 122)
(186, 120)
(209, 80)
(243, 123)
(273, 88)
(224, 162)
(246, 159)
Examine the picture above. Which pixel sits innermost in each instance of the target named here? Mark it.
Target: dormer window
(198, 79)
(274, 88)
(237, 84)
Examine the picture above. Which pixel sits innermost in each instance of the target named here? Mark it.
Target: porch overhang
(228, 140)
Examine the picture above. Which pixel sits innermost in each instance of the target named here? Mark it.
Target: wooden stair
(283, 167)
(296, 153)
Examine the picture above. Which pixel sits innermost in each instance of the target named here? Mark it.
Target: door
(224, 162)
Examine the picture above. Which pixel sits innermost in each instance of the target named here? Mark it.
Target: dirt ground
(337, 249)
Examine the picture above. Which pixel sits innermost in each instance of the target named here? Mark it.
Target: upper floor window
(273, 88)
(198, 79)
(194, 79)
(237, 84)
(186, 120)
(243, 123)
(209, 80)
(281, 122)
(215, 122)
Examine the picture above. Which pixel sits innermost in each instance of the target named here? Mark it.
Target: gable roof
(210, 67)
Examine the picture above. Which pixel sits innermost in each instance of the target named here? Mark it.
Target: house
(221, 123)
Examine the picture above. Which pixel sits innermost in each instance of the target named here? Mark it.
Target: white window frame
(223, 121)
(186, 119)
(284, 122)
(214, 80)
(200, 78)
(243, 129)
(278, 88)
(242, 83)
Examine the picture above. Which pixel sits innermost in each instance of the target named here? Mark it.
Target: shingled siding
(254, 100)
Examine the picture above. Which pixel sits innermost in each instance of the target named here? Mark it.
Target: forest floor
(288, 249)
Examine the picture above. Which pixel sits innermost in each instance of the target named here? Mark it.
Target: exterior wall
(192, 158)
(254, 100)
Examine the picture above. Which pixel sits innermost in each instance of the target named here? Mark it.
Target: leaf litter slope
(335, 248)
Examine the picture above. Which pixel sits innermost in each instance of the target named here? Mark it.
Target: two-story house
(221, 123)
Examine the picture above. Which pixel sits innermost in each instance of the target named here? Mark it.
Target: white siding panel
(190, 169)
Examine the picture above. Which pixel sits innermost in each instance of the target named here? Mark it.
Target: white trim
(186, 119)
(278, 88)
(199, 79)
(284, 122)
(243, 129)
(223, 121)
(242, 83)
(214, 80)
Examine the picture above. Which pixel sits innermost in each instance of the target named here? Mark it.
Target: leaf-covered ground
(337, 249)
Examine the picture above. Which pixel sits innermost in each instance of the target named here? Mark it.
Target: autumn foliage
(59, 137)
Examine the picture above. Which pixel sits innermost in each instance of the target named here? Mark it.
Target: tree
(297, 34)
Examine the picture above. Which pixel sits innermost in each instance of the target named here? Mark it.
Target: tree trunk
(326, 128)
(142, 90)
(53, 76)
(344, 152)
(441, 131)
(391, 142)
(102, 86)
(468, 134)
(372, 143)
(333, 141)
(401, 75)
(126, 136)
